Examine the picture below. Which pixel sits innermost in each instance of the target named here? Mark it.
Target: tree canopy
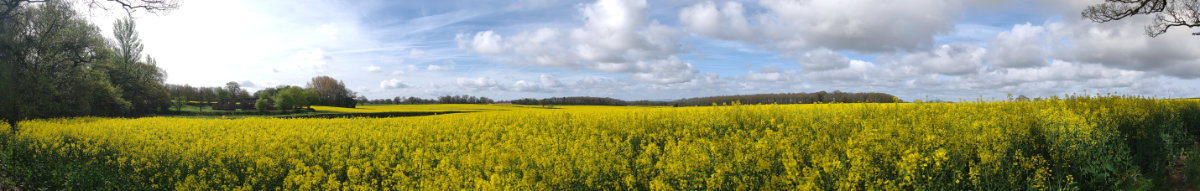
(54, 63)
(332, 92)
(52, 59)
(294, 97)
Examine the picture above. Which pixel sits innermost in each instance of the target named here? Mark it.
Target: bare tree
(1167, 13)
(130, 6)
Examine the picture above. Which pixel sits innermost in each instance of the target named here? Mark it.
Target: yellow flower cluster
(1069, 143)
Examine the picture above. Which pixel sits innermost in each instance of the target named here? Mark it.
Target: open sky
(669, 49)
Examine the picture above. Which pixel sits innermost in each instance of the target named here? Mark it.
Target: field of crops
(1070, 143)
(420, 108)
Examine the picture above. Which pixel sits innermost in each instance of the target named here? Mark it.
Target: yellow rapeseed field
(1070, 143)
(420, 108)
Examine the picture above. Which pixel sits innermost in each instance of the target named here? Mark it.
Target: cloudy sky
(669, 49)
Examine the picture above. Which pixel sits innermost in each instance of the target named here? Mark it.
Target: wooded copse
(55, 63)
(328, 91)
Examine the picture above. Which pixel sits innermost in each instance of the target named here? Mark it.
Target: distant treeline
(572, 101)
(792, 98)
(783, 98)
(206, 94)
(457, 99)
(329, 92)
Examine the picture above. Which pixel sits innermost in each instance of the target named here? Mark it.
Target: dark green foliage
(291, 98)
(179, 102)
(140, 82)
(262, 104)
(199, 94)
(55, 65)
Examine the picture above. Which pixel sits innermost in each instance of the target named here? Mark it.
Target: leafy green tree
(262, 104)
(140, 82)
(308, 98)
(179, 102)
(55, 71)
(292, 97)
(222, 93)
(287, 98)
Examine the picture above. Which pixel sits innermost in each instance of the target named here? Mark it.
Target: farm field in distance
(1088, 143)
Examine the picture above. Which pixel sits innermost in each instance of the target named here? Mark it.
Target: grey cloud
(1059, 71)
(823, 59)
(550, 81)
(952, 59)
(1123, 44)
(667, 71)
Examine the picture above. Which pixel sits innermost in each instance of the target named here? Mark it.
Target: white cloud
(857, 25)
(823, 59)
(1020, 47)
(951, 59)
(727, 22)
(616, 36)
(310, 59)
(486, 42)
(596, 83)
(478, 84)
(392, 84)
(772, 74)
(669, 71)
(447, 67)
(524, 86)
(613, 47)
(269, 36)
(330, 29)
